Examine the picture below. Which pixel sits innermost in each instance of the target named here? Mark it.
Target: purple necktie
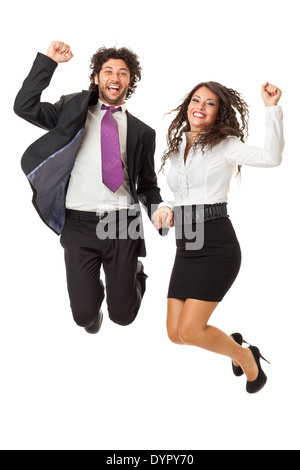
(112, 165)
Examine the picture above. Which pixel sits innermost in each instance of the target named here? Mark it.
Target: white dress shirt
(86, 191)
(205, 178)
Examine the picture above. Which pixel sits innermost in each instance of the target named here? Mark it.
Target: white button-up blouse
(205, 178)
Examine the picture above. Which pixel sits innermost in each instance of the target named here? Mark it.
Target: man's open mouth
(113, 88)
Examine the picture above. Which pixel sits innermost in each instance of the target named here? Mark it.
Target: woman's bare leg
(175, 308)
(192, 318)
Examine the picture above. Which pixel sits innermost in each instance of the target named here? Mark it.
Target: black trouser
(85, 253)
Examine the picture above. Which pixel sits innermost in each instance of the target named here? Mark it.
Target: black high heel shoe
(258, 384)
(237, 370)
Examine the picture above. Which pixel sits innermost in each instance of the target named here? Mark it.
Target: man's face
(113, 82)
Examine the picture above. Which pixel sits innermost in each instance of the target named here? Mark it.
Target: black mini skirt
(207, 265)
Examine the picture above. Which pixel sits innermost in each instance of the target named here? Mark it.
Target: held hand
(163, 218)
(271, 94)
(59, 52)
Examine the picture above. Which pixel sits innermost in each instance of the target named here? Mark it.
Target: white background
(130, 388)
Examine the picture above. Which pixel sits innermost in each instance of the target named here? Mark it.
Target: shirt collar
(187, 136)
(100, 103)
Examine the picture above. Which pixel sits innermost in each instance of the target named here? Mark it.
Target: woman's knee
(188, 332)
(175, 308)
(173, 335)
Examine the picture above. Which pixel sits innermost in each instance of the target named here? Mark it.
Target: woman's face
(203, 109)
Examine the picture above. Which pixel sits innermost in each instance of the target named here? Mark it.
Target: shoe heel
(262, 357)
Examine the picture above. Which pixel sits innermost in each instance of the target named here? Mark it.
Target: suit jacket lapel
(133, 130)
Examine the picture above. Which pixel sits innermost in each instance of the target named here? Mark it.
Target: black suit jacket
(48, 162)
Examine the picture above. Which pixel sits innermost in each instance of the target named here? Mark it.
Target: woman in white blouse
(205, 146)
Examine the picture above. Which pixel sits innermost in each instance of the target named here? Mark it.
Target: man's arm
(147, 190)
(149, 193)
(28, 103)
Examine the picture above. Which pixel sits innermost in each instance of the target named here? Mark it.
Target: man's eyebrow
(109, 67)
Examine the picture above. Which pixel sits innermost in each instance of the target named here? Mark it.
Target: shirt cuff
(166, 204)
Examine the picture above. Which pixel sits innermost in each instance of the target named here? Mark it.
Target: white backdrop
(130, 388)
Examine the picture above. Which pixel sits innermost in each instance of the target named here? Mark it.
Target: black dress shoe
(95, 327)
(237, 370)
(141, 276)
(258, 384)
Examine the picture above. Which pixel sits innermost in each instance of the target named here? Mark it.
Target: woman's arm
(271, 94)
(238, 153)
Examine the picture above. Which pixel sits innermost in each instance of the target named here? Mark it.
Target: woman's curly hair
(130, 58)
(231, 104)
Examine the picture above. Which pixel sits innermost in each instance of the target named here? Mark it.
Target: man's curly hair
(130, 58)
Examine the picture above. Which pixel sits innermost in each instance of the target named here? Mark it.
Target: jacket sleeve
(28, 103)
(147, 190)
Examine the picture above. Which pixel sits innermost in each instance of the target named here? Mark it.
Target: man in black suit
(99, 221)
